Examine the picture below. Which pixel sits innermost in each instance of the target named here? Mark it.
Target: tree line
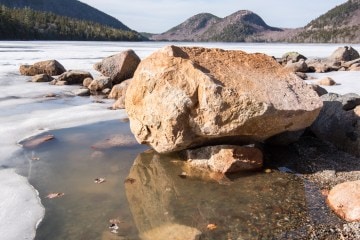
(28, 24)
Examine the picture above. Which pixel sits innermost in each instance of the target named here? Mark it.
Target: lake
(70, 164)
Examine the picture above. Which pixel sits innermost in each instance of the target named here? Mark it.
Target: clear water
(65, 164)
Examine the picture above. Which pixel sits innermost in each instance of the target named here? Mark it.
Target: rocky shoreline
(228, 111)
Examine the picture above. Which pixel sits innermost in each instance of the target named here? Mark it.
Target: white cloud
(160, 15)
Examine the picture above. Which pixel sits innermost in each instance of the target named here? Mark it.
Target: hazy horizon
(159, 16)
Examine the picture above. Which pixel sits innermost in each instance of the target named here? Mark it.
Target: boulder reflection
(168, 200)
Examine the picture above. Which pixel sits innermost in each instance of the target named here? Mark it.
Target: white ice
(24, 111)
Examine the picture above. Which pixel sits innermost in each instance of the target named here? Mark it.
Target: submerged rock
(49, 67)
(225, 158)
(36, 141)
(183, 97)
(344, 200)
(119, 67)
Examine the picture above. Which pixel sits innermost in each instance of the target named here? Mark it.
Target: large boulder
(292, 56)
(339, 122)
(344, 54)
(119, 67)
(49, 67)
(183, 97)
(73, 77)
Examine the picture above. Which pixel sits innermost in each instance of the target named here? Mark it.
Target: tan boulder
(87, 81)
(327, 81)
(49, 67)
(183, 97)
(99, 84)
(225, 158)
(344, 200)
(119, 67)
(344, 54)
(299, 66)
(119, 90)
(42, 78)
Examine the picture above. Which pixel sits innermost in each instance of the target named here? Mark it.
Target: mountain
(28, 24)
(240, 26)
(339, 25)
(68, 8)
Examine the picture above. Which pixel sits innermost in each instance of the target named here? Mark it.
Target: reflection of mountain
(267, 205)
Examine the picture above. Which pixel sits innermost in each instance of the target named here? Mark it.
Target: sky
(157, 16)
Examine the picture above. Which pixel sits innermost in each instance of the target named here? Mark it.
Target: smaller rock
(327, 81)
(49, 67)
(300, 66)
(42, 78)
(225, 158)
(61, 83)
(36, 141)
(344, 54)
(319, 90)
(344, 200)
(119, 103)
(119, 90)
(292, 56)
(74, 76)
(350, 63)
(87, 82)
(100, 84)
(119, 67)
(81, 92)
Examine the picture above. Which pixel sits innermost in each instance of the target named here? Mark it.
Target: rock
(292, 56)
(100, 84)
(338, 123)
(49, 67)
(159, 194)
(344, 200)
(225, 158)
(119, 103)
(319, 90)
(42, 78)
(87, 82)
(183, 97)
(74, 77)
(36, 141)
(300, 66)
(327, 81)
(119, 90)
(302, 75)
(119, 67)
(81, 92)
(344, 54)
(319, 66)
(118, 140)
(350, 63)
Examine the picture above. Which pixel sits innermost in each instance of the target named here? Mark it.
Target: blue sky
(158, 16)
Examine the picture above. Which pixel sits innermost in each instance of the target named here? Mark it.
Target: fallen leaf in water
(211, 226)
(183, 175)
(55, 195)
(115, 221)
(129, 180)
(99, 180)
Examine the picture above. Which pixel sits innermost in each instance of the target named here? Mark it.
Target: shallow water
(150, 195)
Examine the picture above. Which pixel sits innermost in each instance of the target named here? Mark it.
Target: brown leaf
(55, 195)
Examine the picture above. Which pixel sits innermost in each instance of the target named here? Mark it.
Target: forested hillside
(27, 24)
(68, 8)
(340, 24)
